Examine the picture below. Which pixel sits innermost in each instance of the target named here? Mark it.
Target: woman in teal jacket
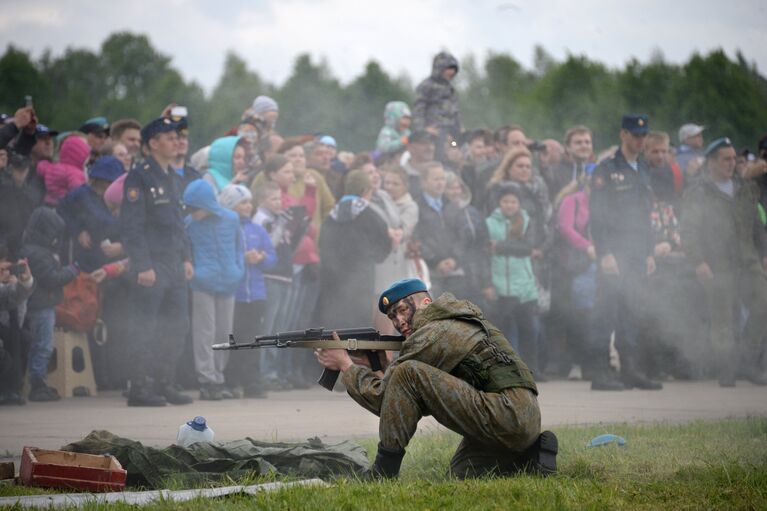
(512, 274)
(227, 163)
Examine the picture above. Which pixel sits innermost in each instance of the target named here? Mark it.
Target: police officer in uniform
(160, 258)
(620, 206)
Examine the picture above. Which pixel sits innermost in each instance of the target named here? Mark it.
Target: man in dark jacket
(459, 368)
(580, 151)
(354, 239)
(41, 240)
(437, 231)
(20, 132)
(621, 201)
(719, 228)
(17, 201)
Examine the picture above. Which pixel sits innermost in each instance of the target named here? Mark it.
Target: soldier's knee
(406, 370)
(409, 367)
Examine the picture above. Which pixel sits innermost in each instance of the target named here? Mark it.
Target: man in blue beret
(155, 240)
(620, 206)
(96, 132)
(722, 235)
(459, 368)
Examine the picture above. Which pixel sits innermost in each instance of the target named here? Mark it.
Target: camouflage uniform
(436, 101)
(457, 367)
(721, 231)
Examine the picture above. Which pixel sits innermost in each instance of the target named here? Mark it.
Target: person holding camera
(41, 246)
(16, 285)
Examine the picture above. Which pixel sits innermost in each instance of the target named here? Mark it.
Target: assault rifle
(367, 340)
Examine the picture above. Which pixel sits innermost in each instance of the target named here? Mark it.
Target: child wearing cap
(512, 273)
(89, 221)
(250, 299)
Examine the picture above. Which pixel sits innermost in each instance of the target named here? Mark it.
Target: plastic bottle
(196, 430)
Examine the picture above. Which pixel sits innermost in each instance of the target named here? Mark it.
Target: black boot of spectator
(172, 394)
(211, 392)
(602, 376)
(142, 393)
(635, 380)
(632, 378)
(606, 380)
(12, 398)
(42, 392)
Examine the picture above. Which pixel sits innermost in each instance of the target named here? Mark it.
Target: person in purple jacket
(250, 299)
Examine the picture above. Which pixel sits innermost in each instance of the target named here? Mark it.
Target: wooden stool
(72, 372)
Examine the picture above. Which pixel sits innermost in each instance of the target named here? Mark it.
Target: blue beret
(636, 124)
(398, 291)
(157, 126)
(716, 145)
(95, 125)
(107, 168)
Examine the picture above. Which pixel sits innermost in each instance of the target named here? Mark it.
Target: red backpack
(80, 308)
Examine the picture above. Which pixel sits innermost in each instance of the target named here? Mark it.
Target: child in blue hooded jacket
(219, 265)
(250, 299)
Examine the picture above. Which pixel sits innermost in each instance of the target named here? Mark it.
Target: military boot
(142, 393)
(541, 457)
(386, 464)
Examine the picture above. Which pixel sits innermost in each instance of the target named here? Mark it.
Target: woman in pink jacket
(66, 174)
(579, 269)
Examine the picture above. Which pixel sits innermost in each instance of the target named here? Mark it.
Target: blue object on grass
(607, 439)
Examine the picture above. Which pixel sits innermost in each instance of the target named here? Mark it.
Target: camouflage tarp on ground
(203, 461)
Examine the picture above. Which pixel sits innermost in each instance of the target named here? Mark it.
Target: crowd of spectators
(626, 267)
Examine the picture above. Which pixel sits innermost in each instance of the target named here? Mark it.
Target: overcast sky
(402, 35)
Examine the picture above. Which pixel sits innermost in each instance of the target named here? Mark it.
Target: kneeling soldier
(459, 368)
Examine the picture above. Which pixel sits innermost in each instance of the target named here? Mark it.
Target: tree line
(128, 77)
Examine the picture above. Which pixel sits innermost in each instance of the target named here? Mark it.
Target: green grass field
(702, 465)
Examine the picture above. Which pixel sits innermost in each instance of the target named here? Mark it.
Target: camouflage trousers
(732, 348)
(496, 427)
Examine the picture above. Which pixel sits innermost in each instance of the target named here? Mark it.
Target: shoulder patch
(132, 194)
